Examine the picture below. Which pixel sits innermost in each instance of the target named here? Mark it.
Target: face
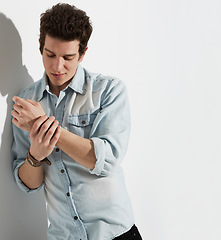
(60, 59)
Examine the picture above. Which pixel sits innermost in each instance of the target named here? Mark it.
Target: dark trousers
(132, 234)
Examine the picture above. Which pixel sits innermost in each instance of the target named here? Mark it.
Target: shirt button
(62, 170)
(68, 194)
(57, 150)
(83, 122)
(75, 218)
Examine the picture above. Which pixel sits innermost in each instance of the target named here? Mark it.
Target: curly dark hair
(65, 22)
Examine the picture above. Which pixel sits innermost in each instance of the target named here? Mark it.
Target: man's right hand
(26, 112)
(44, 135)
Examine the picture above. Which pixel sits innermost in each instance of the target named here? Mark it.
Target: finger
(56, 136)
(45, 126)
(15, 114)
(37, 125)
(15, 121)
(22, 102)
(51, 131)
(17, 107)
(16, 99)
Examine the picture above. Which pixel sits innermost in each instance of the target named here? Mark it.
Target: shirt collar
(77, 83)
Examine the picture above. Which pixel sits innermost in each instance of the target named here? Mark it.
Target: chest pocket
(81, 124)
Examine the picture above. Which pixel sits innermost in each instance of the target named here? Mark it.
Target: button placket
(64, 175)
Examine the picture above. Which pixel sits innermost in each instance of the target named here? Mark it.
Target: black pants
(132, 234)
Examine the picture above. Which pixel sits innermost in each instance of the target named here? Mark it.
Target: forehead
(58, 46)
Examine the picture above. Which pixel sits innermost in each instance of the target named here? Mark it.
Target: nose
(58, 65)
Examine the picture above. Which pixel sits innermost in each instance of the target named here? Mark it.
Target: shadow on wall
(22, 216)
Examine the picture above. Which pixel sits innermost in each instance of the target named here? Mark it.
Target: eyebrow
(66, 55)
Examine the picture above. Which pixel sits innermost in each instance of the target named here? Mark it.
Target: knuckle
(50, 131)
(35, 124)
(56, 122)
(22, 112)
(44, 127)
(38, 139)
(52, 118)
(45, 144)
(56, 138)
(57, 135)
(43, 117)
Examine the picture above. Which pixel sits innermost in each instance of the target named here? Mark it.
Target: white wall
(169, 55)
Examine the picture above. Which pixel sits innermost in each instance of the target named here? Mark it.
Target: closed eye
(68, 58)
(50, 56)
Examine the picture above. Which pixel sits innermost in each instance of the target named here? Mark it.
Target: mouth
(58, 75)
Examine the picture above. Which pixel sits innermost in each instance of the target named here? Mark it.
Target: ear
(82, 56)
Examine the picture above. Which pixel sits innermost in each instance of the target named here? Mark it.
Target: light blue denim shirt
(83, 203)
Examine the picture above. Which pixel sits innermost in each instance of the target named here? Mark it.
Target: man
(71, 131)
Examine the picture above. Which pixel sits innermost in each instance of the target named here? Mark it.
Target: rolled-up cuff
(99, 150)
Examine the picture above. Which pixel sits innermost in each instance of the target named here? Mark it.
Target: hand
(26, 112)
(44, 135)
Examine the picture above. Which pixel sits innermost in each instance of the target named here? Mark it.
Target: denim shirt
(83, 203)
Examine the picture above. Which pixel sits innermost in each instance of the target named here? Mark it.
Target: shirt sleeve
(19, 150)
(111, 129)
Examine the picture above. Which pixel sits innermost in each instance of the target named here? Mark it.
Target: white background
(168, 53)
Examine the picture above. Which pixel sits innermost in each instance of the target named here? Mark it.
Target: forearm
(32, 177)
(78, 148)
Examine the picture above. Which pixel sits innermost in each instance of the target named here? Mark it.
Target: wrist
(36, 163)
(32, 161)
(35, 154)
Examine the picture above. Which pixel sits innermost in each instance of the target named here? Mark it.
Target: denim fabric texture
(83, 203)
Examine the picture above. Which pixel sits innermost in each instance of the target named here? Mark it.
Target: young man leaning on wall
(70, 134)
